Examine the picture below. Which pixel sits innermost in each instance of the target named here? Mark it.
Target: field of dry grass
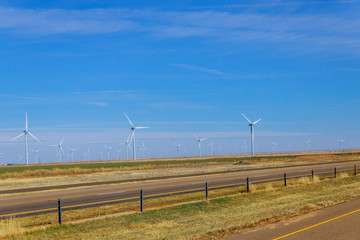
(199, 219)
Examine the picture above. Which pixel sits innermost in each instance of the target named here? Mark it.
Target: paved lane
(338, 222)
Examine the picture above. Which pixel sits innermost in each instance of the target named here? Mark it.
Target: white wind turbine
(127, 146)
(143, 149)
(59, 148)
(108, 151)
(274, 144)
(341, 144)
(211, 145)
(133, 128)
(308, 144)
(72, 150)
(251, 124)
(117, 153)
(25, 133)
(36, 154)
(244, 146)
(199, 140)
(177, 149)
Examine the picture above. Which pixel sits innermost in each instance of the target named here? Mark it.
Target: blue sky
(179, 67)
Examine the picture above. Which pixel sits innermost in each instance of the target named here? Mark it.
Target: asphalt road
(29, 203)
(338, 222)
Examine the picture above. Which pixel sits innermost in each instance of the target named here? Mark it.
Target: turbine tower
(177, 149)
(211, 145)
(274, 144)
(36, 154)
(127, 146)
(108, 151)
(25, 133)
(341, 144)
(199, 142)
(133, 128)
(72, 150)
(308, 143)
(59, 148)
(251, 124)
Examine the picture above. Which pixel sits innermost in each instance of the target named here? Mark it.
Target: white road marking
(110, 193)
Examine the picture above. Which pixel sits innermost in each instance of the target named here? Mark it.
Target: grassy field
(198, 220)
(85, 168)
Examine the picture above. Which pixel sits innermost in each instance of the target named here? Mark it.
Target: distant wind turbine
(341, 144)
(118, 153)
(133, 128)
(127, 146)
(72, 150)
(108, 151)
(274, 144)
(25, 133)
(59, 148)
(308, 144)
(251, 124)
(36, 154)
(143, 149)
(199, 140)
(211, 145)
(177, 149)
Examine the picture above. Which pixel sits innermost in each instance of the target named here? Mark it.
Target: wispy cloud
(99, 104)
(197, 68)
(321, 31)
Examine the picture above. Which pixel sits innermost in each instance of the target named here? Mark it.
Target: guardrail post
(141, 200)
(247, 185)
(285, 179)
(206, 191)
(354, 170)
(59, 211)
(335, 172)
(312, 175)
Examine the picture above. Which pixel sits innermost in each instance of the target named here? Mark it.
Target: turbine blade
(129, 120)
(34, 137)
(141, 127)
(203, 139)
(61, 149)
(246, 118)
(61, 141)
(17, 137)
(196, 137)
(257, 121)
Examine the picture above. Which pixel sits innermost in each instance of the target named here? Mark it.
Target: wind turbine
(133, 128)
(127, 146)
(25, 133)
(274, 144)
(143, 150)
(211, 145)
(341, 144)
(251, 124)
(308, 143)
(108, 151)
(36, 154)
(177, 149)
(118, 153)
(244, 146)
(59, 148)
(72, 150)
(199, 142)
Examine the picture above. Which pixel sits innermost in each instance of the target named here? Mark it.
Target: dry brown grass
(10, 227)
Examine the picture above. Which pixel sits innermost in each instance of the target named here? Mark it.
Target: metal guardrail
(143, 197)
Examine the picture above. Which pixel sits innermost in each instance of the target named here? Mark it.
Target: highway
(337, 222)
(31, 203)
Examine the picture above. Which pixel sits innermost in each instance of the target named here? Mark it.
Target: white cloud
(197, 68)
(99, 104)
